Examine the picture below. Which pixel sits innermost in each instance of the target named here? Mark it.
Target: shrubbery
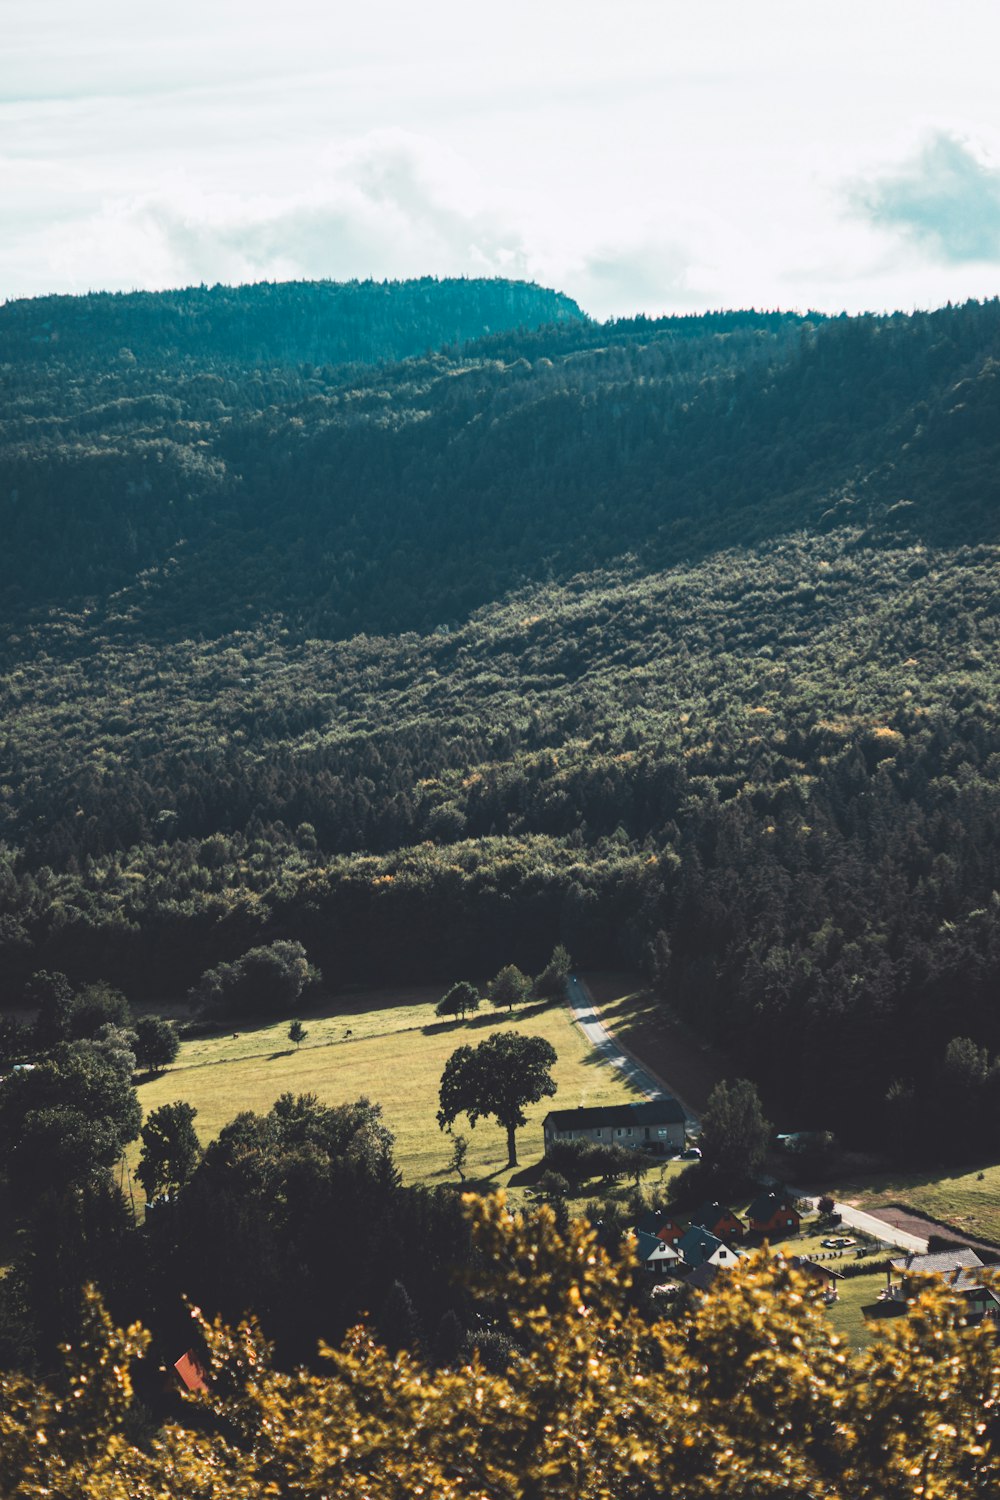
(265, 981)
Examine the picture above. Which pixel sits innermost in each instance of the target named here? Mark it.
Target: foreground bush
(749, 1394)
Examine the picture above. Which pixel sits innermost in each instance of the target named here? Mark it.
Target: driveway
(857, 1218)
(581, 1003)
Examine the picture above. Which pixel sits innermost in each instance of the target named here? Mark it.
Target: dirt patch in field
(901, 1217)
(644, 1025)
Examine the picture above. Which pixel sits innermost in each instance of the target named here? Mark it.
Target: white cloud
(391, 204)
(650, 154)
(945, 200)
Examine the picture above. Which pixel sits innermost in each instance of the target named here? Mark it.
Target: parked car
(693, 1153)
(838, 1242)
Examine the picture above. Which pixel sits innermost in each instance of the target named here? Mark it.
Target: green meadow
(966, 1197)
(389, 1046)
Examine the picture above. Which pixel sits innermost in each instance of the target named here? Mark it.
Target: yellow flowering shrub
(748, 1394)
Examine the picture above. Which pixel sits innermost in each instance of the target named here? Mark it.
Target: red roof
(191, 1372)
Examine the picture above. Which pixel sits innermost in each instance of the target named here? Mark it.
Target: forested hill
(268, 323)
(676, 639)
(401, 496)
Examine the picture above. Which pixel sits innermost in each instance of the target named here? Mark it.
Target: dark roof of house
(654, 1219)
(710, 1213)
(813, 1267)
(645, 1244)
(768, 1204)
(698, 1245)
(664, 1111)
(943, 1262)
(703, 1276)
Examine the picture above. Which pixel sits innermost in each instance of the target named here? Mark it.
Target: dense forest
(428, 624)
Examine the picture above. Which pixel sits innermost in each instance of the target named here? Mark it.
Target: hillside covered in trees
(675, 640)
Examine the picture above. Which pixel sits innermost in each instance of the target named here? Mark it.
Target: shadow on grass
(289, 1052)
(874, 1312)
(148, 1075)
(480, 1019)
(527, 1176)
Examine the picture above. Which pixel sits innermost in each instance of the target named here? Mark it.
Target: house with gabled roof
(961, 1271)
(774, 1214)
(667, 1224)
(657, 1125)
(658, 1258)
(699, 1246)
(720, 1220)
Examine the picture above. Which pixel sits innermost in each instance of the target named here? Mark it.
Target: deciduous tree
(170, 1149)
(500, 1077)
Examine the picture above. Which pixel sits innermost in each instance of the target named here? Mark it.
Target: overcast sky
(641, 155)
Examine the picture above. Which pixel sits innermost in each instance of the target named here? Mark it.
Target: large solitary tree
(500, 1077)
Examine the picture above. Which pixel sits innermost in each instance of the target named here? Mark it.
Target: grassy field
(967, 1198)
(639, 1020)
(387, 1045)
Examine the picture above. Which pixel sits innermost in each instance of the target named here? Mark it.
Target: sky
(640, 155)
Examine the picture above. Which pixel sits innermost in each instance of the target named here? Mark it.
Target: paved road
(856, 1218)
(581, 1003)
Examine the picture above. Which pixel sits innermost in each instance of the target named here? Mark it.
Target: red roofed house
(190, 1372)
(774, 1214)
(720, 1220)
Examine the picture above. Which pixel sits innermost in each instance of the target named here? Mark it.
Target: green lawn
(395, 1054)
(847, 1314)
(967, 1197)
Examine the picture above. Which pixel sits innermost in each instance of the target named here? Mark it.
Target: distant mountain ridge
(322, 322)
(403, 493)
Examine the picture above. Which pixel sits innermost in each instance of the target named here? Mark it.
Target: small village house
(774, 1214)
(700, 1247)
(658, 1126)
(658, 1258)
(720, 1220)
(667, 1224)
(960, 1269)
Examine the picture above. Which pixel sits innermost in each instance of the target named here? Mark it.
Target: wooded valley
(673, 640)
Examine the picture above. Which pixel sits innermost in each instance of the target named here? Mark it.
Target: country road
(581, 1003)
(857, 1218)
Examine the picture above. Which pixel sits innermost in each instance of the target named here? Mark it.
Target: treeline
(271, 323)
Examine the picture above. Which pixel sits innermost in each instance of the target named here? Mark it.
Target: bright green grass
(395, 1055)
(847, 1314)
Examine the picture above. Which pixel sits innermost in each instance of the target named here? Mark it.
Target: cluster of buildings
(695, 1247)
(691, 1249)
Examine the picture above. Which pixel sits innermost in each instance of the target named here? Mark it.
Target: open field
(969, 1198)
(395, 1054)
(639, 1020)
(847, 1315)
